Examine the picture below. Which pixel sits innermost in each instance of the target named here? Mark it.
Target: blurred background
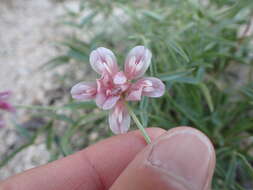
(202, 50)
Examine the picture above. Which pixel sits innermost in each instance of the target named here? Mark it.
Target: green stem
(139, 125)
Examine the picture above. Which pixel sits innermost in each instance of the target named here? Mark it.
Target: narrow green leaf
(87, 19)
(35, 107)
(57, 116)
(71, 24)
(247, 164)
(187, 80)
(231, 172)
(79, 105)
(176, 47)
(153, 15)
(55, 62)
(200, 74)
(50, 135)
(207, 96)
(175, 76)
(77, 55)
(248, 91)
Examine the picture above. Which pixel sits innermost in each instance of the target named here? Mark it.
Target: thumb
(181, 159)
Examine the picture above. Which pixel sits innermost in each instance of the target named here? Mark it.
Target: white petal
(103, 60)
(134, 95)
(157, 89)
(84, 91)
(100, 99)
(110, 102)
(137, 62)
(119, 119)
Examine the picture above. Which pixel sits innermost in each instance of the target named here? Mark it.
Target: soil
(28, 29)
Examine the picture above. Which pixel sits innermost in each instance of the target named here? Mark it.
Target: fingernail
(186, 156)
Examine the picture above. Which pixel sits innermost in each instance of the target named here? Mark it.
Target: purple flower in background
(5, 105)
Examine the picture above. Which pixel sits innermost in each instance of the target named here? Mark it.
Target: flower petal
(106, 98)
(148, 86)
(152, 87)
(5, 95)
(6, 106)
(103, 60)
(110, 102)
(134, 94)
(84, 91)
(137, 62)
(100, 99)
(120, 78)
(119, 119)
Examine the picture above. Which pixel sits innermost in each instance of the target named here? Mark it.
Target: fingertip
(193, 131)
(181, 158)
(187, 155)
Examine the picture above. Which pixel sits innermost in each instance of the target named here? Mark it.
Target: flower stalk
(139, 125)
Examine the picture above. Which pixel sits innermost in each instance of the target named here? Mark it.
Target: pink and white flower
(5, 105)
(115, 87)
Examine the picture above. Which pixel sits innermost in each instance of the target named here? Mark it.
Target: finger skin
(181, 159)
(94, 168)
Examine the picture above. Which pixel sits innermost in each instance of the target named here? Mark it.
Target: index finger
(94, 168)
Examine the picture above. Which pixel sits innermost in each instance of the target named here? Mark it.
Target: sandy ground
(27, 30)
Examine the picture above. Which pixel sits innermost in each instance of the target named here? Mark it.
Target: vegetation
(202, 51)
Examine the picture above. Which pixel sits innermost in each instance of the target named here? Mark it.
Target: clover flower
(5, 105)
(114, 88)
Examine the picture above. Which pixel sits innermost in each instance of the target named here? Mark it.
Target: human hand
(180, 159)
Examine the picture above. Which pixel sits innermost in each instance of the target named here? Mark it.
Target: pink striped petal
(100, 99)
(152, 87)
(103, 61)
(84, 91)
(137, 62)
(148, 86)
(105, 101)
(104, 82)
(134, 93)
(110, 102)
(119, 119)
